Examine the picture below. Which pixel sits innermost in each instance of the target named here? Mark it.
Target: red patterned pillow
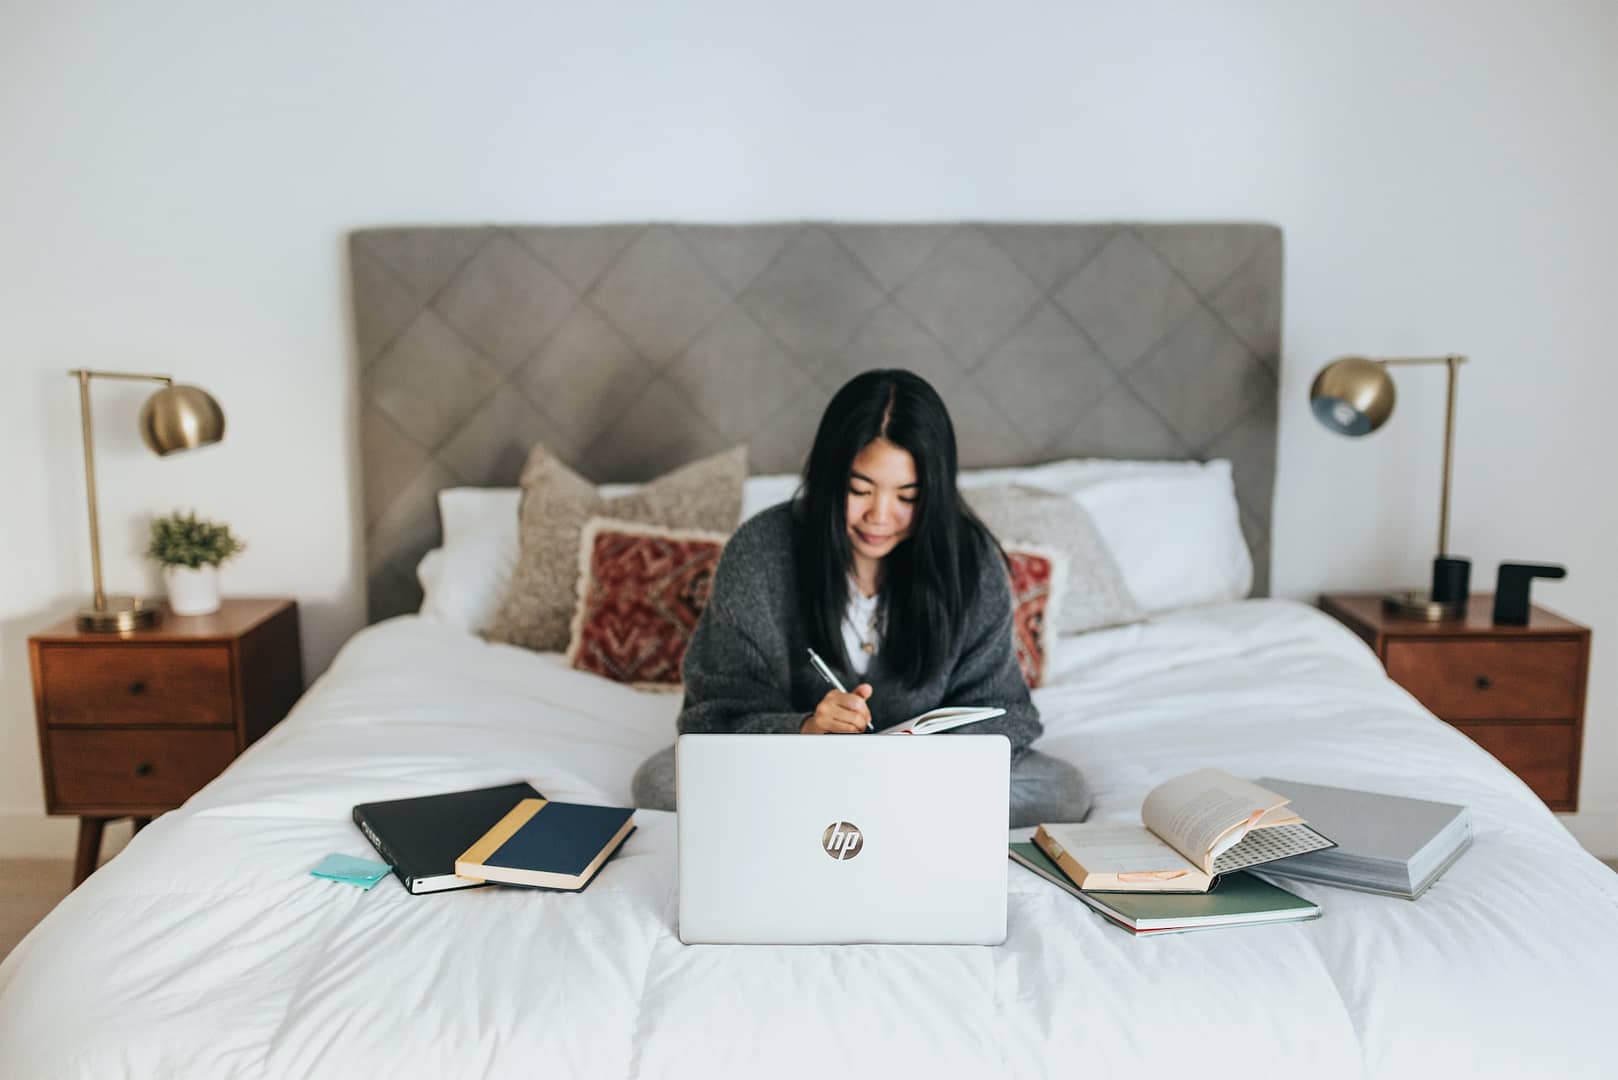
(1038, 576)
(641, 590)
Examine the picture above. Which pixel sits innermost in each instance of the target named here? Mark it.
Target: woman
(881, 569)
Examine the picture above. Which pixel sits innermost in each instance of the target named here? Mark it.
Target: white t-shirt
(857, 627)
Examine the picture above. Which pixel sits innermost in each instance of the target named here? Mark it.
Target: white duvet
(206, 950)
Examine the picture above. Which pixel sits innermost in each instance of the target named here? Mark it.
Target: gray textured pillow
(556, 503)
(1096, 594)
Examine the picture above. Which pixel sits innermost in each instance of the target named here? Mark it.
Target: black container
(1452, 577)
(1511, 589)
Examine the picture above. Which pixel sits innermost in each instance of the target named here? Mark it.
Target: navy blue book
(547, 845)
(421, 837)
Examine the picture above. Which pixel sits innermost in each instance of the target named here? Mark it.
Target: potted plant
(190, 552)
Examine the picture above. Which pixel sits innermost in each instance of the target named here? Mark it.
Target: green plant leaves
(184, 540)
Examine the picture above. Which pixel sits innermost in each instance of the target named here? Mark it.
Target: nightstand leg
(141, 822)
(89, 854)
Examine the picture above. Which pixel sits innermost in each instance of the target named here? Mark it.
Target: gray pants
(1043, 788)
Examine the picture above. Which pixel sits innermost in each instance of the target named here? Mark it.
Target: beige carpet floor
(29, 888)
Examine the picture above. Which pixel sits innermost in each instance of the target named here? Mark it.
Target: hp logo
(842, 841)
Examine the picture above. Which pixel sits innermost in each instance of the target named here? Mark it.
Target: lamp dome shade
(1352, 395)
(181, 418)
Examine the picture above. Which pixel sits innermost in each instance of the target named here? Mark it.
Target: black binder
(422, 837)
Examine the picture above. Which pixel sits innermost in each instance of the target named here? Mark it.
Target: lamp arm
(1453, 363)
(1415, 361)
(84, 375)
(90, 485)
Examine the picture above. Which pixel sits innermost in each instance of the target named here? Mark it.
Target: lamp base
(121, 615)
(1419, 604)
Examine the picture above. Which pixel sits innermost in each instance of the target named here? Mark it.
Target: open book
(1194, 828)
(931, 723)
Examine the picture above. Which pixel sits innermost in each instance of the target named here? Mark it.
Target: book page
(1203, 813)
(1260, 846)
(1280, 815)
(1106, 848)
(930, 723)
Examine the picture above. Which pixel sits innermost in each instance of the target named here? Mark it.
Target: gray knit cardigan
(747, 668)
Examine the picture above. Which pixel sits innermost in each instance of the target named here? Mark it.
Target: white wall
(176, 181)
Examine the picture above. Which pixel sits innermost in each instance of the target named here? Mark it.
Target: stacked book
(508, 835)
(1238, 899)
(1386, 843)
(1183, 867)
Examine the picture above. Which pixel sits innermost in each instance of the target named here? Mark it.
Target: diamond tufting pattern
(630, 349)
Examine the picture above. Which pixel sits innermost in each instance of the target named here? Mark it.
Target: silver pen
(830, 676)
(826, 672)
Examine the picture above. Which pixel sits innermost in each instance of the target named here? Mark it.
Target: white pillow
(1172, 526)
(1071, 474)
(462, 585)
(464, 580)
(468, 510)
(1176, 533)
(465, 512)
(763, 492)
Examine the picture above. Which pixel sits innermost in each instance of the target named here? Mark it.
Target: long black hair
(931, 577)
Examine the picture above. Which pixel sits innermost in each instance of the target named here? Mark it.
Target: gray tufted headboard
(629, 349)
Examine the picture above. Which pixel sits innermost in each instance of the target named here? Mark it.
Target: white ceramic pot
(192, 592)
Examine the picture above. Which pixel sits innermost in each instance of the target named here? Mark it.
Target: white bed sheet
(205, 949)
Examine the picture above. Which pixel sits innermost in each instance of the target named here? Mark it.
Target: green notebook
(1237, 899)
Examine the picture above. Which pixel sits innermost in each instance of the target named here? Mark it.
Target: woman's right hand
(840, 713)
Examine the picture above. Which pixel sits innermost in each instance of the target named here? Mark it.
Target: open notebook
(936, 720)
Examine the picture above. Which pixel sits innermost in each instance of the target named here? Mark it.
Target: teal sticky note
(351, 871)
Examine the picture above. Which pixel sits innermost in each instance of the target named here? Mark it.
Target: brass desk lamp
(1353, 395)
(173, 418)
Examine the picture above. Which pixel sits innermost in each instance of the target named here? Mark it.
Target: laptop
(838, 839)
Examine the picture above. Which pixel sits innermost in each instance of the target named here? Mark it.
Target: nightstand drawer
(1542, 754)
(136, 684)
(156, 768)
(1490, 680)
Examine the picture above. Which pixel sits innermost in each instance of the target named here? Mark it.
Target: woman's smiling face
(882, 494)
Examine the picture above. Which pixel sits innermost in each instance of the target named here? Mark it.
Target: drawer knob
(138, 686)
(143, 769)
(1484, 682)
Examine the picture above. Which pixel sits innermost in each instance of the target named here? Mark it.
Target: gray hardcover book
(1385, 843)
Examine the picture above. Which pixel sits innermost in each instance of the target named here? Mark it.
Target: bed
(206, 950)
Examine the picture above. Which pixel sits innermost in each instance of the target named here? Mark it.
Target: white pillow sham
(464, 579)
(1173, 527)
(463, 584)
(1176, 534)
(1071, 474)
(466, 512)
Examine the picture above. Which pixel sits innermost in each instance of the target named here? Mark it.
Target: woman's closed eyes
(908, 500)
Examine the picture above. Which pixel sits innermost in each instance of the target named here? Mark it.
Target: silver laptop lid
(792, 839)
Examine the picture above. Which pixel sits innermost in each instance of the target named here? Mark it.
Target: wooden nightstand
(1518, 691)
(131, 725)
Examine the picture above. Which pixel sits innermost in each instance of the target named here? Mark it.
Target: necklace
(868, 639)
(868, 636)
